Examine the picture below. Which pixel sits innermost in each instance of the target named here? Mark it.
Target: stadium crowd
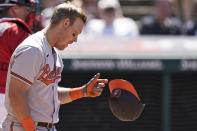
(106, 18)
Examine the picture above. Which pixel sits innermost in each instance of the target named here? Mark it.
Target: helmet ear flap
(124, 104)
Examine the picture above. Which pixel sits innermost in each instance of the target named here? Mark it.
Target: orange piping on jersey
(22, 78)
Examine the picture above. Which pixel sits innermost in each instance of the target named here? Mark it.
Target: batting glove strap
(76, 93)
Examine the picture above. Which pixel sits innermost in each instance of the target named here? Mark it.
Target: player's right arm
(18, 98)
(20, 81)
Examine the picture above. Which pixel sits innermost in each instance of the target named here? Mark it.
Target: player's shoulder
(6, 26)
(28, 52)
(15, 24)
(32, 44)
(34, 40)
(5, 23)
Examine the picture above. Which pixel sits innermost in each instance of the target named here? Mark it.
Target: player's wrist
(76, 93)
(28, 124)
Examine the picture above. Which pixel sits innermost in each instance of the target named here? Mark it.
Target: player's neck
(49, 34)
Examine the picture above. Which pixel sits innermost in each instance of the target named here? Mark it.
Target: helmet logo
(116, 93)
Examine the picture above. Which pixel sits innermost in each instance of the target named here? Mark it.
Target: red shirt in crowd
(12, 32)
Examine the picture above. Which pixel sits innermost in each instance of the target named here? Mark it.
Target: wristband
(28, 124)
(76, 93)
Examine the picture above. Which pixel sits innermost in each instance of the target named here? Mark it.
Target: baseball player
(13, 30)
(33, 97)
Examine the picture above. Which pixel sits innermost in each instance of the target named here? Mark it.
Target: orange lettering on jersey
(44, 75)
(48, 77)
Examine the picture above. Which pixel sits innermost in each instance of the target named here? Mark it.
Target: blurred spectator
(34, 19)
(46, 15)
(91, 9)
(48, 3)
(47, 9)
(13, 30)
(112, 22)
(161, 22)
(190, 27)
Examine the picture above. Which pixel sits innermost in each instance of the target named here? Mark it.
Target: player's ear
(66, 22)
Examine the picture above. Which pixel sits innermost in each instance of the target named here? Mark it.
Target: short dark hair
(67, 10)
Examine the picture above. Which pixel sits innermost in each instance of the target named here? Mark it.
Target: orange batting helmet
(124, 101)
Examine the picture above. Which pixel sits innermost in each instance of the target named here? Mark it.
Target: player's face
(70, 34)
(21, 11)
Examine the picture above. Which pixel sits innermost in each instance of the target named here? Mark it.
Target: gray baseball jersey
(35, 63)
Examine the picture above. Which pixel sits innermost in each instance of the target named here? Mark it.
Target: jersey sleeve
(26, 64)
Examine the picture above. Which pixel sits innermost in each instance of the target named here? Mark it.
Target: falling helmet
(124, 101)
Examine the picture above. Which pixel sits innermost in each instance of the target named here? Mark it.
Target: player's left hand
(95, 86)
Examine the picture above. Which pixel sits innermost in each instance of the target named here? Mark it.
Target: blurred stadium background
(163, 69)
